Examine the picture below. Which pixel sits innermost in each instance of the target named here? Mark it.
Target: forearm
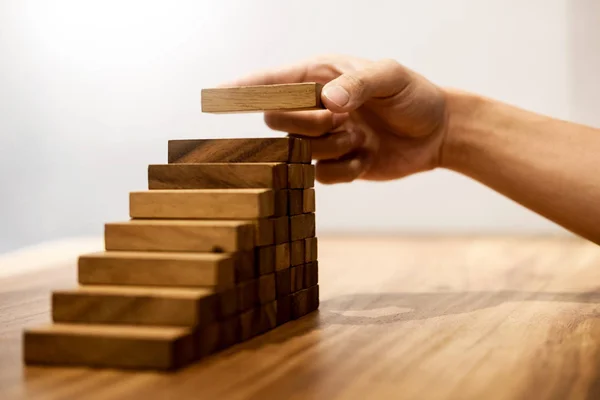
(549, 166)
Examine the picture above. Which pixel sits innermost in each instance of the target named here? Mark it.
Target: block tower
(220, 248)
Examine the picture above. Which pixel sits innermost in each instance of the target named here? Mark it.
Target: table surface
(400, 318)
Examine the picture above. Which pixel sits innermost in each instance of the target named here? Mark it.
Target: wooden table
(400, 318)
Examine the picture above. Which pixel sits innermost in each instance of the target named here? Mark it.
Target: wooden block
(258, 320)
(309, 204)
(138, 347)
(229, 332)
(295, 179)
(218, 176)
(282, 229)
(308, 176)
(282, 256)
(282, 97)
(268, 316)
(313, 298)
(297, 252)
(266, 288)
(217, 336)
(245, 268)
(202, 203)
(295, 200)
(268, 149)
(283, 282)
(305, 301)
(247, 295)
(227, 304)
(310, 249)
(281, 203)
(311, 274)
(297, 278)
(265, 259)
(302, 226)
(159, 269)
(179, 235)
(284, 309)
(136, 305)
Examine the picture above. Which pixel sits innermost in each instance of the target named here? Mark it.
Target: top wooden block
(278, 149)
(283, 97)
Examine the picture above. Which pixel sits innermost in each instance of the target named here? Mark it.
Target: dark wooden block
(295, 177)
(311, 274)
(244, 264)
(283, 281)
(247, 295)
(297, 252)
(281, 229)
(286, 150)
(310, 249)
(281, 203)
(295, 198)
(266, 288)
(282, 256)
(308, 176)
(284, 309)
(302, 226)
(218, 176)
(264, 259)
(297, 278)
(305, 301)
(309, 204)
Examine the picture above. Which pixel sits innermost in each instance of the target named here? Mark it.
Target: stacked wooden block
(220, 248)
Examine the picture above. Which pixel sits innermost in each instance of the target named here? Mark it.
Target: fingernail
(337, 95)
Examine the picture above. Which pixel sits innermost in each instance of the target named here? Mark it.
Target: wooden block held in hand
(295, 202)
(266, 288)
(179, 235)
(310, 249)
(309, 204)
(302, 226)
(218, 176)
(268, 149)
(202, 203)
(282, 256)
(297, 252)
(281, 97)
(159, 269)
(106, 346)
(136, 305)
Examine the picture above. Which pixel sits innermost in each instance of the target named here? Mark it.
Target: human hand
(382, 121)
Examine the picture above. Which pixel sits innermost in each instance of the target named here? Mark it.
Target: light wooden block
(309, 204)
(302, 226)
(282, 97)
(282, 256)
(295, 200)
(268, 149)
(295, 177)
(282, 229)
(137, 347)
(297, 252)
(308, 176)
(310, 249)
(218, 176)
(202, 203)
(281, 203)
(179, 235)
(137, 305)
(161, 269)
(267, 288)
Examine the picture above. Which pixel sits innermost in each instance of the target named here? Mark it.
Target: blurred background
(90, 92)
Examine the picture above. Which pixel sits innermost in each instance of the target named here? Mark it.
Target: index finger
(305, 71)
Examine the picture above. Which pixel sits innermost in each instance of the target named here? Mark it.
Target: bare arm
(549, 166)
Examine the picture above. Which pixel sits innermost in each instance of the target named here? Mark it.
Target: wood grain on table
(400, 318)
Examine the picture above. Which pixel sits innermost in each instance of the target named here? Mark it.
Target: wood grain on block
(297, 278)
(282, 97)
(295, 179)
(311, 274)
(264, 231)
(137, 347)
(158, 269)
(217, 176)
(309, 204)
(302, 226)
(304, 148)
(281, 203)
(135, 305)
(310, 249)
(247, 295)
(283, 282)
(282, 229)
(284, 309)
(308, 176)
(264, 259)
(202, 203)
(179, 235)
(258, 320)
(268, 149)
(305, 301)
(295, 199)
(297, 252)
(266, 288)
(282, 256)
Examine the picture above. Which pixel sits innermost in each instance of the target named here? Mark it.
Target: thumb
(351, 90)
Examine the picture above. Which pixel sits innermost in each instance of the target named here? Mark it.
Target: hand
(382, 120)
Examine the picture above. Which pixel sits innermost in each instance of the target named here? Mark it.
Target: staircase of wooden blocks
(219, 249)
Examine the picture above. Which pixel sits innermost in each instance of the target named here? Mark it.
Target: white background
(90, 92)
